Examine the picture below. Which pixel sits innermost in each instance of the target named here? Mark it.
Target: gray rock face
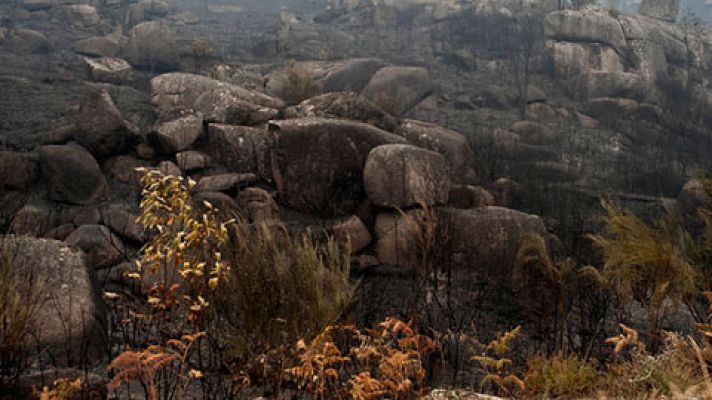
(242, 149)
(111, 70)
(176, 92)
(103, 247)
(616, 84)
(72, 175)
(152, 45)
(453, 145)
(179, 134)
(666, 10)
(123, 169)
(348, 229)
(352, 76)
(533, 132)
(692, 197)
(28, 41)
(123, 222)
(81, 15)
(257, 205)
(320, 163)
(401, 176)
(589, 26)
(169, 168)
(71, 319)
(225, 182)
(223, 106)
(103, 130)
(35, 5)
(467, 196)
(399, 89)
(79, 216)
(610, 109)
(344, 105)
(485, 240)
(396, 237)
(573, 59)
(30, 221)
(17, 170)
(192, 160)
(99, 46)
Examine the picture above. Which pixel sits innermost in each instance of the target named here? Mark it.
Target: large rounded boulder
(344, 105)
(401, 176)
(72, 175)
(152, 45)
(17, 170)
(103, 247)
(399, 89)
(586, 26)
(71, 317)
(352, 75)
(179, 134)
(453, 145)
(320, 162)
(174, 93)
(241, 149)
(693, 196)
(103, 130)
(485, 241)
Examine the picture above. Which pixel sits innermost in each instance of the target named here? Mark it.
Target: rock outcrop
(102, 129)
(71, 174)
(319, 162)
(401, 176)
(398, 89)
(175, 93)
(103, 247)
(71, 316)
(666, 10)
(152, 46)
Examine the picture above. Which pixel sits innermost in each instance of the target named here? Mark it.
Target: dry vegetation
(232, 310)
(19, 302)
(299, 84)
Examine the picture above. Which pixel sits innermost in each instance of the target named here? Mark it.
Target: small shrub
(144, 366)
(280, 287)
(343, 362)
(300, 84)
(559, 376)
(184, 265)
(63, 389)
(184, 254)
(644, 263)
(675, 371)
(202, 51)
(496, 365)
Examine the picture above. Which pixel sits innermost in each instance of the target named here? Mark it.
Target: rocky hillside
(478, 115)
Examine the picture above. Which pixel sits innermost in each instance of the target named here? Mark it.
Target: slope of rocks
(415, 125)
